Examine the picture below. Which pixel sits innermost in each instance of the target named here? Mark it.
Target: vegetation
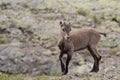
(16, 77)
(82, 12)
(32, 26)
(2, 41)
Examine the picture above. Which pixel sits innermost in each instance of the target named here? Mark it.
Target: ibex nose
(67, 37)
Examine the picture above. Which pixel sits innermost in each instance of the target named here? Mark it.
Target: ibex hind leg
(93, 51)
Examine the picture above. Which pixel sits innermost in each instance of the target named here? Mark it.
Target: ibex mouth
(67, 37)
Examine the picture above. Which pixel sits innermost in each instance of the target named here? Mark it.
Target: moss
(82, 62)
(112, 37)
(51, 3)
(2, 41)
(10, 77)
(105, 44)
(47, 52)
(113, 52)
(49, 78)
(25, 5)
(17, 77)
(55, 73)
(50, 16)
(19, 16)
(118, 18)
(45, 37)
(119, 46)
(110, 3)
(81, 12)
(115, 29)
(40, 78)
(96, 19)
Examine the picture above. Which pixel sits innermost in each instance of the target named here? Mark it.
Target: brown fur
(77, 40)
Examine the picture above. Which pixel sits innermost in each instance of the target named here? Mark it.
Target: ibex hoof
(94, 70)
(64, 73)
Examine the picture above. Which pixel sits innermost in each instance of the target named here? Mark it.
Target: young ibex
(77, 40)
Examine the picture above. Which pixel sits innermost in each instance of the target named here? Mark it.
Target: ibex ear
(69, 24)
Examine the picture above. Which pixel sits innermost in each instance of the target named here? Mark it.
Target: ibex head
(65, 29)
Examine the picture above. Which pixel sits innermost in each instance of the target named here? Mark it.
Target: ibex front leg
(69, 56)
(61, 61)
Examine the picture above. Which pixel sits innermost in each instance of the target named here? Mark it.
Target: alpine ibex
(77, 40)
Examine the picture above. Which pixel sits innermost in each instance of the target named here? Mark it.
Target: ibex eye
(63, 29)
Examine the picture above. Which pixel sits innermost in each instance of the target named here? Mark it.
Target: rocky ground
(29, 32)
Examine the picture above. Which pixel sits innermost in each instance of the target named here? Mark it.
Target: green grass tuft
(2, 41)
(81, 12)
(10, 77)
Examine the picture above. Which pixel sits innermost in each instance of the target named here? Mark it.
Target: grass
(22, 19)
(50, 16)
(2, 41)
(113, 52)
(96, 19)
(16, 77)
(81, 12)
(9, 77)
(25, 5)
(55, 73)
(104, 44)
